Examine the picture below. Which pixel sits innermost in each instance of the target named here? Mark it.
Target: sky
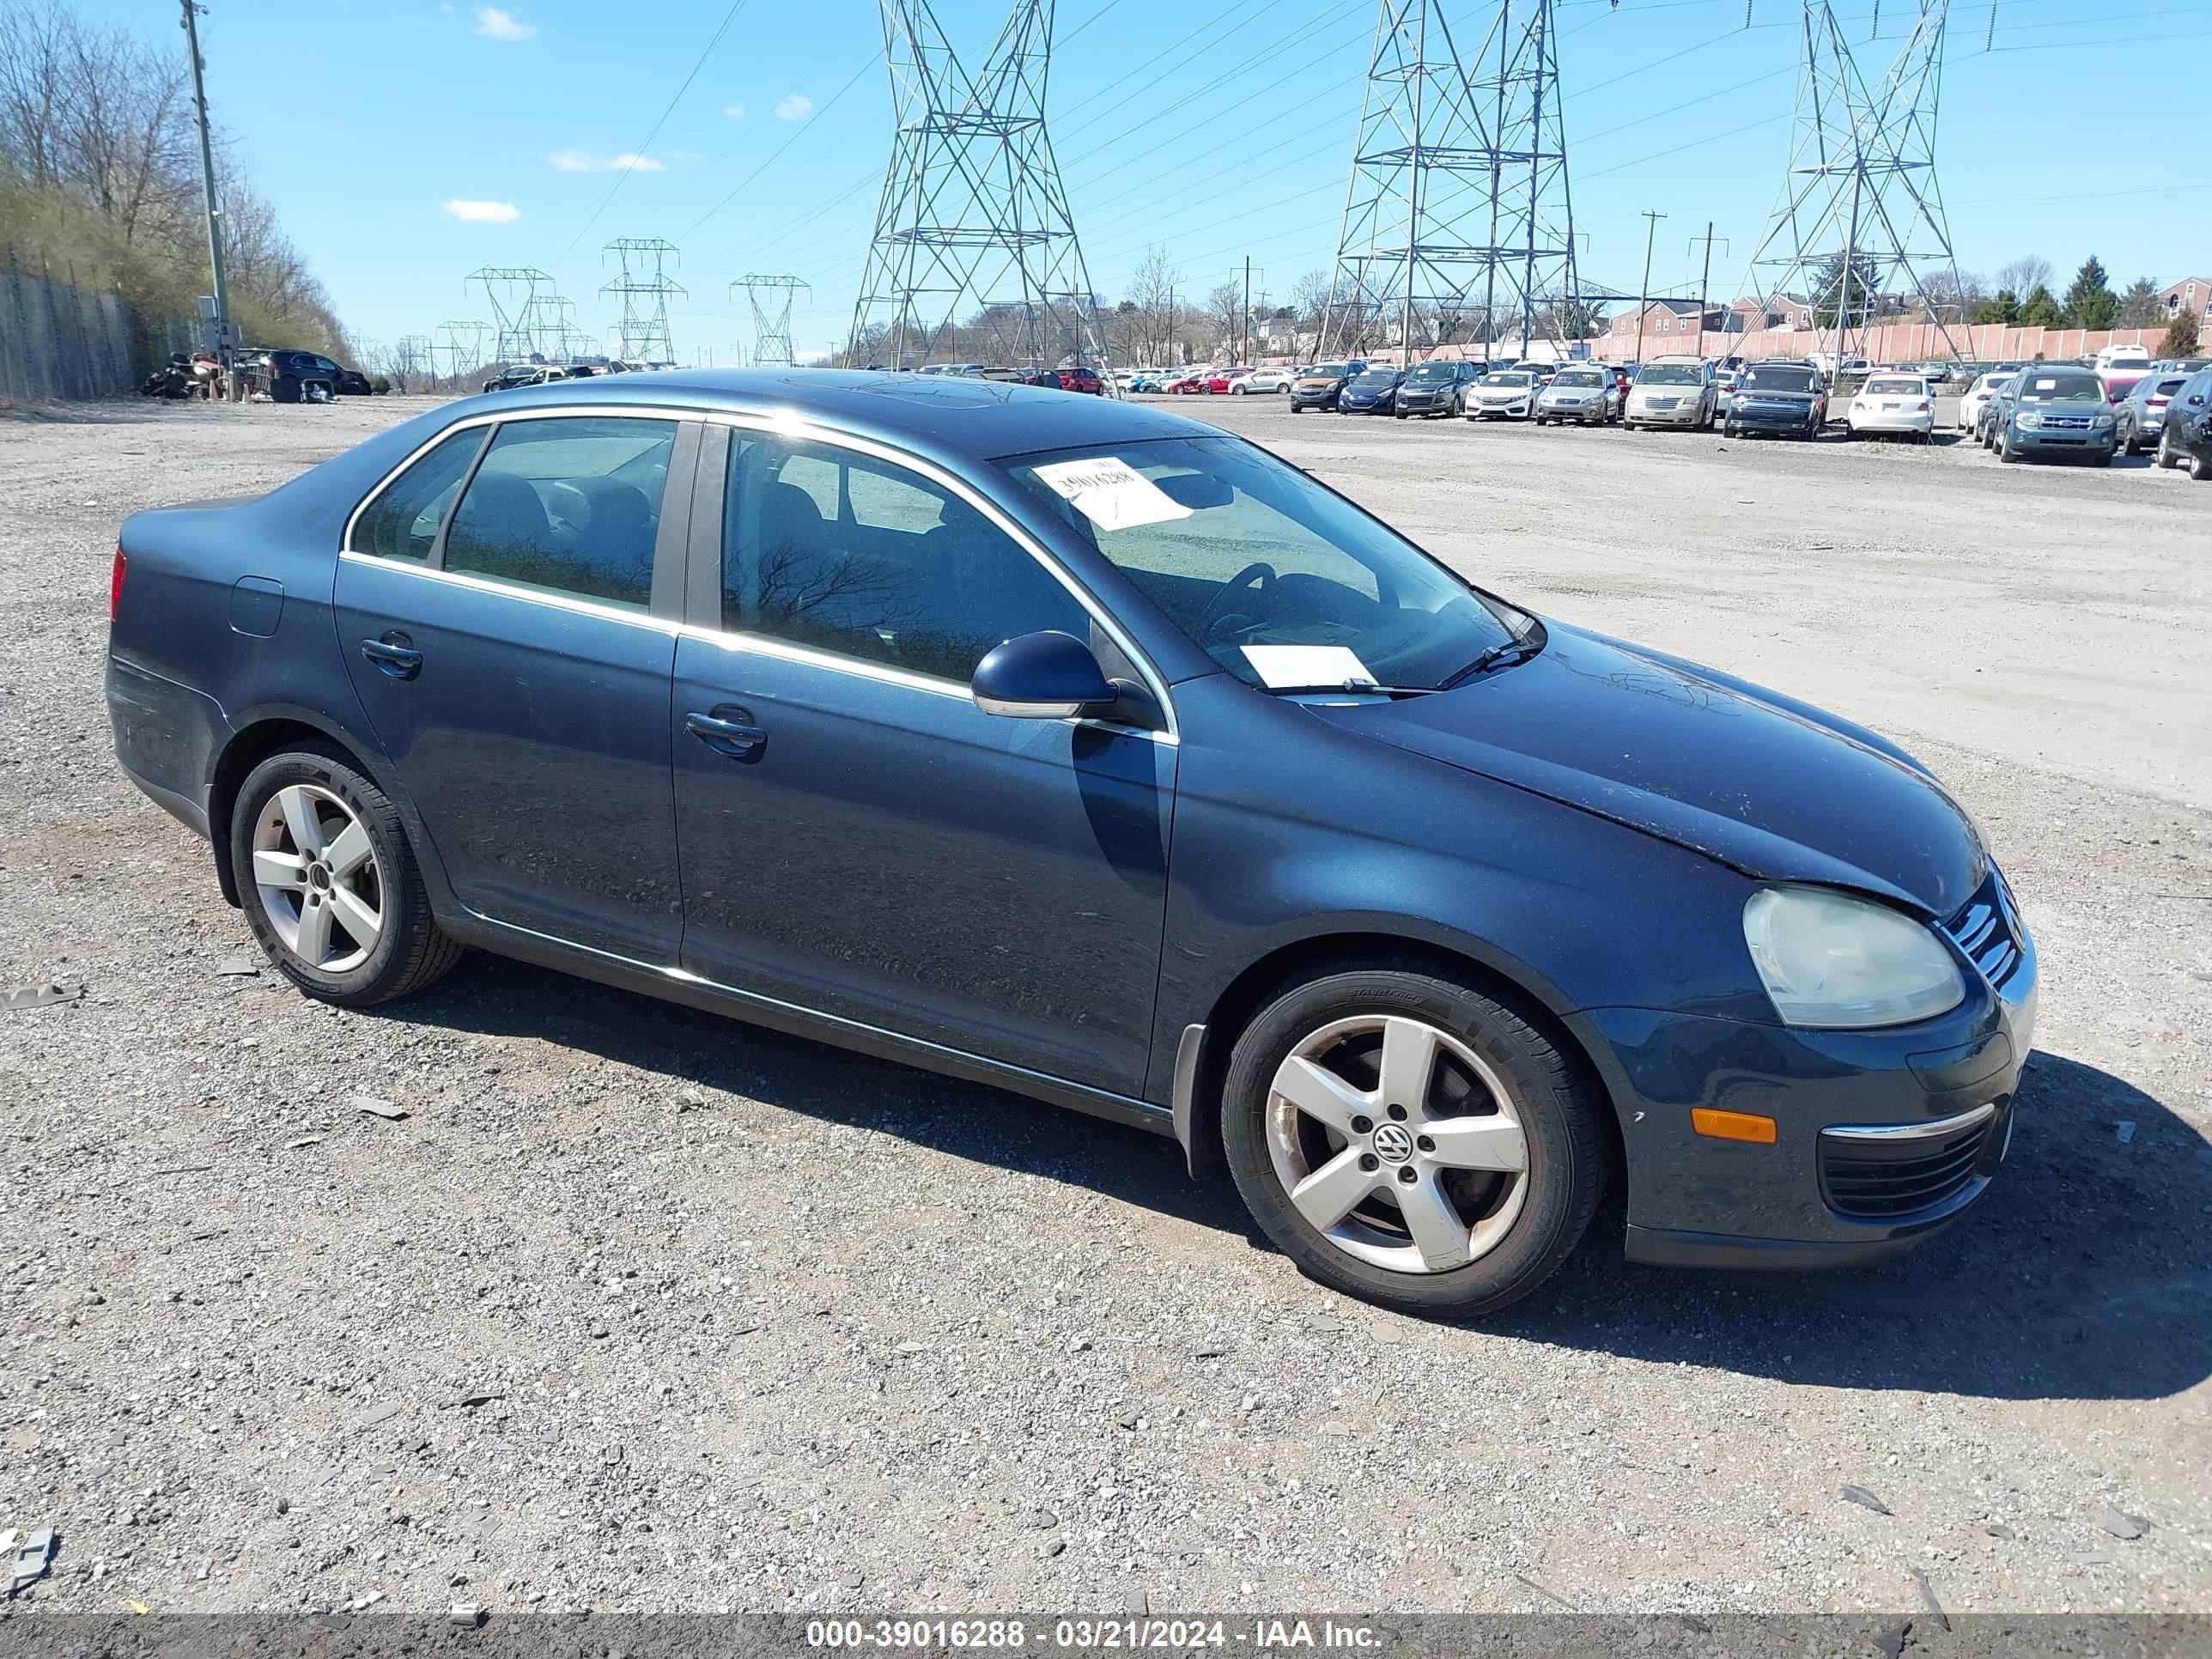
(406, 142)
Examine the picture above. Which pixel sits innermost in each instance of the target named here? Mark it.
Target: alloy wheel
(317, 876)
(1398, 1143)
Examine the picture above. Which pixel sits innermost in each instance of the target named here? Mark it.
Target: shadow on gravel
(2082, 1274)
(495, 997)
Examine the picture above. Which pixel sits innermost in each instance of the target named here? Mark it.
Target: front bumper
(1345, 406)
(1594, 409)
(1302, 399)
(1868, 1125)
(1517, 410)
(1761, 417)
(2064, 441)
(1426, 402)
(1683, 414)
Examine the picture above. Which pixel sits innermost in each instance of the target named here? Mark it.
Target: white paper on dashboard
(1112, 493)
(1284, 665)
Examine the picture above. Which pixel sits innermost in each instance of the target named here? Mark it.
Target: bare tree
(1224, 311)
(2024, 275)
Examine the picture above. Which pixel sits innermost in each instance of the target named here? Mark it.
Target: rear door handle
(394, 656)
(729, 731)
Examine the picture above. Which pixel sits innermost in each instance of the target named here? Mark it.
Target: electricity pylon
(511, 293)
(645, 285)
(1861, 215)
(462, 343)
(1458, 206)
(973, 213)
(771, 316)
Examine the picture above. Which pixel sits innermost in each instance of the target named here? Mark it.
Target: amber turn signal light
(1732, 1126)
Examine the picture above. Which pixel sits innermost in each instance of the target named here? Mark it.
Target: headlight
(2103, 421)
(1834, 962)
(2027, 417)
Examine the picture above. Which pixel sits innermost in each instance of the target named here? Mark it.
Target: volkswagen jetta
(1083, 750)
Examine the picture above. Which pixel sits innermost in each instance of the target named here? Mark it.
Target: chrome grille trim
(1989, 931)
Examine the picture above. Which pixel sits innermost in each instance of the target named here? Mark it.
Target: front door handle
(729, 731)
(394, 654)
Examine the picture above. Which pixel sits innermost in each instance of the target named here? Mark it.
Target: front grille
(1989, 931)
(1883, 1175)
(2066, 423)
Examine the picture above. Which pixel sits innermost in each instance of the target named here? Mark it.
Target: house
(2190, 293)
(1667, 326)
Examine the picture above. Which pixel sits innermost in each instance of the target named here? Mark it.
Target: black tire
(1729, 431)
(411, 951)
(2200, 468)
(285, 389)
(2129, 447)
(2165, 457)
(1560, 1114)
(2007, 450)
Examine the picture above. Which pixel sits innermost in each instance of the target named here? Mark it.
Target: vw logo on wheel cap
(1392, 1144)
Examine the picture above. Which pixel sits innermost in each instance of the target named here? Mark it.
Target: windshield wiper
(1366, 688)
(1517, 649)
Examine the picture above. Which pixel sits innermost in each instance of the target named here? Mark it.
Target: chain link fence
(60, 341)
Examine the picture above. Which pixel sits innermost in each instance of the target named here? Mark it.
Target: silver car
(1579, 392)
(1671, 391)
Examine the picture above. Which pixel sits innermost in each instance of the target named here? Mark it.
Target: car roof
(952, 417)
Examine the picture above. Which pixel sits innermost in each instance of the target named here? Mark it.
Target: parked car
(1724, 382)
(294, 376)
(516, 375)
(1581, 392)
(1371, 391)
(2055, 409)
(1938, 373)
(1218, 382)
(1893, 405)
(1271, 379)
(2184, 437)
(1081, 378)
(1048, 802)
(352, 383)
(1505, 394)
(1435, 388)
(1780, 397)
(1977, 396)
(1319, 384)
(2182, 365)
(1192, 383)
(1671, 391)
(2138, 421)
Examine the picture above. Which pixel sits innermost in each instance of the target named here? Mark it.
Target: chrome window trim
(515, 591)
(1940, 1128)
(791, 423)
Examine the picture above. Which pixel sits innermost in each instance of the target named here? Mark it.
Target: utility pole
(1704, 281)
(1244, 353)
(207, 189)
(1643, 301)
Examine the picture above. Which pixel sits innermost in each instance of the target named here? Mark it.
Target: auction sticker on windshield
(1110, 493)
(1288, 667)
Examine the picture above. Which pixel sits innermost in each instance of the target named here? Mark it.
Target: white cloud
(571, 160)
(797, 106)
(635, 164)
(576, 161)
(734, 110)
(497, 25)
(484, 213)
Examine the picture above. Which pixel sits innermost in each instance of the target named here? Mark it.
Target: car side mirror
(1040, 676)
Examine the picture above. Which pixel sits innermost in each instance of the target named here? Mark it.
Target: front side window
(403, 521)
(840, 552)
(1240, 549)
(568, 506)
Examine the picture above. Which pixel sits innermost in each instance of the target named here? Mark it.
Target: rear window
(1894, 386)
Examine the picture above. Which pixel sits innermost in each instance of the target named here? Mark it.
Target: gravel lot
(638, 1309)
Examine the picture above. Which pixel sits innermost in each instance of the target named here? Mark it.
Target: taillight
(115, 586)
(2155, 402)
(1925, 403)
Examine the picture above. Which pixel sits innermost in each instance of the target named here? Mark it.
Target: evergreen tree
(2041, 310)
(1829, 289)
(2180, 339)
(2002, 307)
(2090, 302)
(2139, 307)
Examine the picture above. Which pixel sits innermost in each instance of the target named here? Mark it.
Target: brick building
(2190, 293)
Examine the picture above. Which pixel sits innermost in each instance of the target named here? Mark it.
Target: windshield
(2061, 389)
(1247, 556)
(1670, 375)
(1775, 380)
(1329, 371)
(1377, 377)
(1428, 372)
(1893, 386)
(1572, 377)
(1510, 377)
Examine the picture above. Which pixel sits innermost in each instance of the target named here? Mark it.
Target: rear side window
(401, 522)
(569, 506)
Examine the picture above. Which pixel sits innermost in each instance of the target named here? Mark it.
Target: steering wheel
(1259, 573)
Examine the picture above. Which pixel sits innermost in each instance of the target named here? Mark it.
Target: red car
(1217, 382)
(1191, 384)
(1080, 378)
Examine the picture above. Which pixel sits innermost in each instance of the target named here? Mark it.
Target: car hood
(1751, 778)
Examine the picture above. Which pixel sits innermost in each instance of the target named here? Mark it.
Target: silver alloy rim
(1398, 1143)
(317, 876)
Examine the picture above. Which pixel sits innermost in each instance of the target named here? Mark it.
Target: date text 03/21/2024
(1092, 1634)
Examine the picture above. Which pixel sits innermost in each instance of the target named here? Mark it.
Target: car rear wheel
(2165, 457)
(1410, 1141)
(330, 885)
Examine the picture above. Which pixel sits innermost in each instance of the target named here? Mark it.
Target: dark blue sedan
(1081, 749)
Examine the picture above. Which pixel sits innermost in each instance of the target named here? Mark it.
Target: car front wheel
(1412, 1141)
(329, 883)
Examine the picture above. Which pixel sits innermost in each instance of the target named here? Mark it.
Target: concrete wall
(59, 341)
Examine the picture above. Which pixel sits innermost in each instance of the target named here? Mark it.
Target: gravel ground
(638, 1309)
